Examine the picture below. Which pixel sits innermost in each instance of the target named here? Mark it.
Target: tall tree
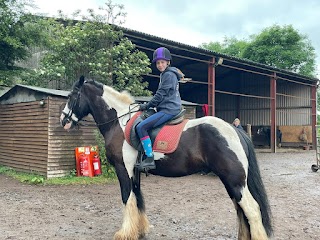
(230, 46)
(19, 31)
(94, 48)
(276, 46)
(284, 48)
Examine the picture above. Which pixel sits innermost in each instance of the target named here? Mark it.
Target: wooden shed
(31, 138)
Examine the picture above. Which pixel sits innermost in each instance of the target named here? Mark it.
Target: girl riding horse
(167, 101)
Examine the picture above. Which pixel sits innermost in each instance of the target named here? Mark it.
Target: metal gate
(315, 167)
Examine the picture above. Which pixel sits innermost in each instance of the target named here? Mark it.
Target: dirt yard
(193, 207)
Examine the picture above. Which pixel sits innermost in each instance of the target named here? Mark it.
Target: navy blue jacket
(167, 98)
(240, 127)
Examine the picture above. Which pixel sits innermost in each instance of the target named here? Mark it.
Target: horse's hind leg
(252, 214)
(244, 229)
(248, 210)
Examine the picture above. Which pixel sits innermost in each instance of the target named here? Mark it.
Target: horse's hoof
(121, 236)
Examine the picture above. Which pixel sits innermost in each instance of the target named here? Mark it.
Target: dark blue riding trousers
(151, 122)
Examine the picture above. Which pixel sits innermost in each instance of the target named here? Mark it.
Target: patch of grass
(108, 176)
(22, 177)
(108, 172)
(4, 169)
(79, 180)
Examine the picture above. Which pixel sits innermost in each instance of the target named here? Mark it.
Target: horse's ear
(81, 81)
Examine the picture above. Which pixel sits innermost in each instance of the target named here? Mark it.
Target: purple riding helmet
(161, 53)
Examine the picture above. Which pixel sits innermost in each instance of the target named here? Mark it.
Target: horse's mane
(123, 96)
(95, 83)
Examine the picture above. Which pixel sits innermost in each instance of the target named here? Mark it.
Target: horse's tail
(255, 184)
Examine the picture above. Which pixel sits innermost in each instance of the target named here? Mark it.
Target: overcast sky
(195, 22)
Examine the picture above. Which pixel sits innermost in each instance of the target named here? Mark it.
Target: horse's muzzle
(66, 122)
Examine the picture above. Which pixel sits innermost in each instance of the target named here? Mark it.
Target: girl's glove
(143, 106)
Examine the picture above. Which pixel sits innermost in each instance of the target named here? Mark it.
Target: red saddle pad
(167, 139)
(129, 125)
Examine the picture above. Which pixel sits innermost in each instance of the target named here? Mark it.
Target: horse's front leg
(135, 223)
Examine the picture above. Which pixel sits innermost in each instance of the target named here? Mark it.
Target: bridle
(68, 115)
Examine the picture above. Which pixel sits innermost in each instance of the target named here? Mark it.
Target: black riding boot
(147, 164)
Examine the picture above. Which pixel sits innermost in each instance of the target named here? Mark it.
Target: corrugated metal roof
(212, 53)
(24, 93)
(61, 93)
(3, 90)
(49, 91)
(208, 53)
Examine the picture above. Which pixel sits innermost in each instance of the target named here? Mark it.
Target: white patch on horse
(158, 155)
(64, 113)
(252, 212)
(225, 130)
(120, 102)
(129, 157)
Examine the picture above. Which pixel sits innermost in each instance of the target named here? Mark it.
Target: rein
(68, 116)
(100, 124)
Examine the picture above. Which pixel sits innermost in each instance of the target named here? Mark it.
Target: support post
(273, 103)
(314, 115)
(239, 86)
(211, 87)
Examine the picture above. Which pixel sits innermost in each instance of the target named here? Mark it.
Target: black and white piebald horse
(206, 144)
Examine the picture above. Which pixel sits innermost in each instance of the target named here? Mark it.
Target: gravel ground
(193, 207)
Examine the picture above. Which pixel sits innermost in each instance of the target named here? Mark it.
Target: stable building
(261, 96)
(264, 98)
